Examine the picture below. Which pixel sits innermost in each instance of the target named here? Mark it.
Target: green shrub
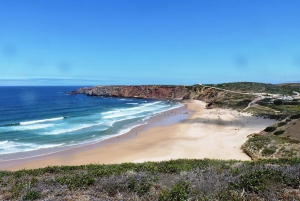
(16, 190)
(277, 102)
(257, 141)
(270, 129)
(267, 151)
(281, 124)
(258, 180)
(229, 195)
(32, 195)
(76, 181)
(140, 188)
(296, 116)
(179, 192)
(279, 132)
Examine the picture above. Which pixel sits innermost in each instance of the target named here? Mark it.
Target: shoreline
(150, 122)
(159, 119)
(203, 133)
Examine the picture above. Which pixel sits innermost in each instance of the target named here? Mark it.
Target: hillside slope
(281, 140)
(287, 88)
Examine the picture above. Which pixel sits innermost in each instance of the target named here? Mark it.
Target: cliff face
(170, 92)
(146, 91)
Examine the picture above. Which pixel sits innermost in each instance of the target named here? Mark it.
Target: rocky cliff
(145, 91)
(215, 97)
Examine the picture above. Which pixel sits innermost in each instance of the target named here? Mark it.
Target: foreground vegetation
(171, 180)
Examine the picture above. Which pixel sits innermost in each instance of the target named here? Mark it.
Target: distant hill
(235, 95)
(286, 88)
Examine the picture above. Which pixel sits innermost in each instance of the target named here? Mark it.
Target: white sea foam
(40, 121)
(129, 117)
(68, 130)
(31, 127)
(7, 147)
(146, 107)
(102, 138)
(132, 103)
(110, 112)
(109, 123)
(78, 127)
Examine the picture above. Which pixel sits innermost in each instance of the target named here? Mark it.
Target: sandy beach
(205, 133)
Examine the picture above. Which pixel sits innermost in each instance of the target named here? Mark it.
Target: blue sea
(39, 118)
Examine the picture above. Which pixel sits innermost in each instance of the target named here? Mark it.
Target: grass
(266, 112)
(271, 146)
(287, 109)
(182, 179)
(268, 151)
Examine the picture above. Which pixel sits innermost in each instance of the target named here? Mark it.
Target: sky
(123, 42)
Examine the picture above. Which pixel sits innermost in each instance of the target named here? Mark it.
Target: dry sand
(206, 133)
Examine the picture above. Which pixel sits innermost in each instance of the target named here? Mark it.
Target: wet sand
(205, 133)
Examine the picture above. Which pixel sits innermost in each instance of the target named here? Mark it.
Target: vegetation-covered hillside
(260, 87)
(281, 140)
(262, 103)
(172, 180)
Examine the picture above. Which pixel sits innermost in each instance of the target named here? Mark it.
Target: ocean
(41, 118)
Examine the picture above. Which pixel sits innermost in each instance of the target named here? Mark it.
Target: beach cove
(205, 133)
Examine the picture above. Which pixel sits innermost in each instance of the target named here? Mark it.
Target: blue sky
(70, 42)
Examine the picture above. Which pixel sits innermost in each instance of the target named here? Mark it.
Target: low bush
(32, 195)
(259, 180)
(268, 151)
(279, 132)
(281, 124)
(179, 192)
(296, 116)
(76, 181)
(270, 129)
(277, 102)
